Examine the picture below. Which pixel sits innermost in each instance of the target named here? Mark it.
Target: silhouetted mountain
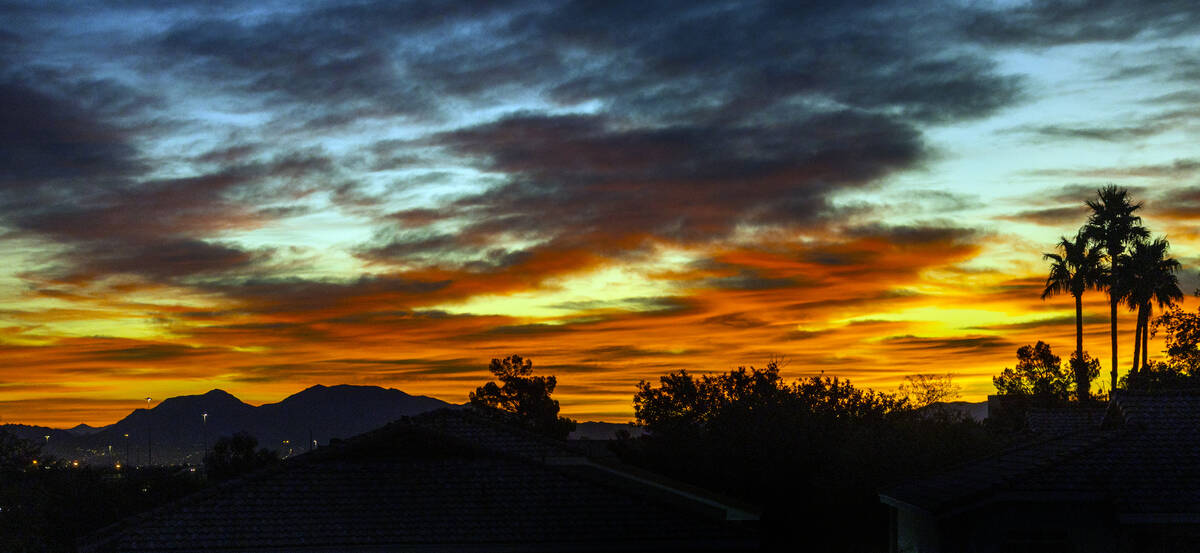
(177, 430)
(977, 411)
(84, 429)
(36, 433)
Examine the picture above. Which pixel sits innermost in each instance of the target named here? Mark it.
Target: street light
(204, 430)
(149, 442)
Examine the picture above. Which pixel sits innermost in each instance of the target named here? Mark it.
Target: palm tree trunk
(1112, 297)
(1146, 336)
(1137, 341)
(1082, 385)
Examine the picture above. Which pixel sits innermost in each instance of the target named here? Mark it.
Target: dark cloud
(414, 367)
(150, 352)
(915, 235)
(710, 117)
(52, 140)
(957, 345)
(736, 320)
(658, 304)
(1101, 133)
(749, 279)
(595, 177)
(1180, 203)
(1051, 216)
(1175, 169)
(292, 294)
(1063, 321)
(164, 261)
(878, 299)
(1051, 22)
(798, 335)
(622, 353)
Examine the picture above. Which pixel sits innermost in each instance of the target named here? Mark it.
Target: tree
(1037, 374)
(923, 390)
(1183, 337)
(1149, 277)
(813, 453)
(232, 456)
(1181, 370)
(16, 453)
(1113, 226)
(1077, 270)
(1155, 376)
(524, 396)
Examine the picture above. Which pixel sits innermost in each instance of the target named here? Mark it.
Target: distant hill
(977, 411)
(175, 430)
(83, 429)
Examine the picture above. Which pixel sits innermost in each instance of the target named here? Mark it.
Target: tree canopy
(235, 455)
(523, 395)
(1181, 369)
(15, 452)
(813, 452)
(1039, 374)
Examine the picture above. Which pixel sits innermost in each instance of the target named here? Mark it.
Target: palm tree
(1149, 278)
(1112, 225)
(1077, 270)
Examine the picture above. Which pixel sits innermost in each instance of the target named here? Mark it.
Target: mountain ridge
(178, 429)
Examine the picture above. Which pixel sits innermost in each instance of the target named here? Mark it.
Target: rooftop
(448, 480)
(1142, 456)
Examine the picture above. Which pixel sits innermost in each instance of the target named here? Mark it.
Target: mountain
(177, 430)
(83, 429)
(977, 411)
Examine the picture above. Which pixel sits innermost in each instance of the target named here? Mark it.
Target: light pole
(204, 431)
(127, 458)
(149, 442)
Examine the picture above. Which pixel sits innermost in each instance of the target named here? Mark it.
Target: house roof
(1143, 458)
(443, 481)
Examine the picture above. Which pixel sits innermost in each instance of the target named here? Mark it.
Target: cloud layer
(395, 192)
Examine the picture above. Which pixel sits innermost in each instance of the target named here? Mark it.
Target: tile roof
(1049, 422)
(1143, 459)
(447, 481)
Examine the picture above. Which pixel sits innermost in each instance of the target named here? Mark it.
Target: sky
(264, 196)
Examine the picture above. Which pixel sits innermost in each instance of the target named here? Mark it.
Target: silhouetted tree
(812, 452)
(232, 456)
(16, 453)
(923, 390)
(525, 396)
(1037, 374)
(1149, 277)
(1181, 370)
(1156, 376)
(1079, 268)
(1182, 339)
(1113, 226)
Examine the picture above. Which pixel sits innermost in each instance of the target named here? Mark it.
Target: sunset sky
(264, 196)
